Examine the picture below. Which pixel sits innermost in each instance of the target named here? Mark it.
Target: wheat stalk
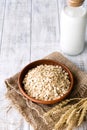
(60, 106)
(83, 113)
(63, 119)
(73, 116)
(72, 121)
(55, 115)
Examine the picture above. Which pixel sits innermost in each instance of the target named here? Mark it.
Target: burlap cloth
(33, 112)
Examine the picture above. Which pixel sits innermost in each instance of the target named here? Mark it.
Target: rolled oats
(46, 82)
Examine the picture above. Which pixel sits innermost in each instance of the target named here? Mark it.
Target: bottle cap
(75, 3)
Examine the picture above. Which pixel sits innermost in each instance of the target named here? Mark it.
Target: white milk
(73, 26)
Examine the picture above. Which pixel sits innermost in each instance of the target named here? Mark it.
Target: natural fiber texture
(33, 112)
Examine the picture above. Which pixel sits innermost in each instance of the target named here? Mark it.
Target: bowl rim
(43, 101)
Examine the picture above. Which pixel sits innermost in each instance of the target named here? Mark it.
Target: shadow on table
(85, 48)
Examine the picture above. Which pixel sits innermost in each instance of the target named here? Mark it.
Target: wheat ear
(83, 113)
(62, 119)
(60, 105)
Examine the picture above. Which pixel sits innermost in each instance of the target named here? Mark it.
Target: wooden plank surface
(15, 53)
(2, 15)
(29, 30)
(45, 28)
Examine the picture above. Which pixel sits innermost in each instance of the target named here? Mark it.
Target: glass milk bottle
(72, 27)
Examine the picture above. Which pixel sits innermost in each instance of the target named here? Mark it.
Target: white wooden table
(29, 30)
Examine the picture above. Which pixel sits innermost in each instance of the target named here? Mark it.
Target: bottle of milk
(72, 27)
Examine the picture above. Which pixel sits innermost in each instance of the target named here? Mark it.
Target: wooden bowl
(35, 64)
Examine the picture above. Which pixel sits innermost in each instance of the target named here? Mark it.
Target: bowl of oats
(45, 81)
